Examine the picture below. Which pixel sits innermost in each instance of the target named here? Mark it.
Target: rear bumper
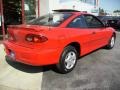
(30, 56)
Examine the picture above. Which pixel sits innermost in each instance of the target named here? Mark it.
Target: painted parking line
(16, 79)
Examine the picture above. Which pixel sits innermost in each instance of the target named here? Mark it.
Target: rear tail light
(35, 38)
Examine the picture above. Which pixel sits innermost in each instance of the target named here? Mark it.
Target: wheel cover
(112, 41)
(70, 60)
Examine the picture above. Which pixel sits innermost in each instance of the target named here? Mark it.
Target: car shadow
(28, 68)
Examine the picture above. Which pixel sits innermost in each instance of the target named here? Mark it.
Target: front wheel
(68, 60)
(111, 42)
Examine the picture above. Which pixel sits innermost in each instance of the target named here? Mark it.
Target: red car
(58, 39)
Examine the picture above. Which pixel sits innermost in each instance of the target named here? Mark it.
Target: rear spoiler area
(24, 27)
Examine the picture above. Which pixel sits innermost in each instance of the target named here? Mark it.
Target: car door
(79, 30)
(99, 36)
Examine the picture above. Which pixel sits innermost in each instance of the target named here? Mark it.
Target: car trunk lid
(17, 34)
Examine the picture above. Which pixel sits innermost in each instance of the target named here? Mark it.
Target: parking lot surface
(99, 70)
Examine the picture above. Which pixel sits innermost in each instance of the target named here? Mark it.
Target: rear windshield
(54, 19)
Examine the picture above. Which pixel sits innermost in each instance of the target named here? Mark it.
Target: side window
(77, 23)
(92, 22)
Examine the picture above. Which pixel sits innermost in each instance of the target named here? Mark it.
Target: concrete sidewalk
(14, 76)
(0, 42)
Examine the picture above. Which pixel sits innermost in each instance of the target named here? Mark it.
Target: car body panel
(49, 52)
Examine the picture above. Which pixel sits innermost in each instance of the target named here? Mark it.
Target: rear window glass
(54, 19)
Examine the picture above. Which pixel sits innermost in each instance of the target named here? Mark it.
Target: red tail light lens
(36, 38)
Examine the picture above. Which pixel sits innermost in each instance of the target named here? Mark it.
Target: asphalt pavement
(99, 70)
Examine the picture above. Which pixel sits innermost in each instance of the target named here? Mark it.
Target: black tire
(111, 42)
(70, 52)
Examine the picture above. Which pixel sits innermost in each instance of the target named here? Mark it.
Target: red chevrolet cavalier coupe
(58, 38)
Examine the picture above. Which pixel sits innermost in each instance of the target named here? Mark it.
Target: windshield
(54, 19)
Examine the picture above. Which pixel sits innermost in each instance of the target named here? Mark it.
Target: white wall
(53, 5)
(78, 5)
(46, 6)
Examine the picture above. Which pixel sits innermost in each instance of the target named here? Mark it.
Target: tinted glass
(92, 22)
(77, 23)
(50, 19)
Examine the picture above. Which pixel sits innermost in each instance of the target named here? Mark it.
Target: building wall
(53, 5)
(116, 14)
(46, 6)
(77, 5)
(91, 6)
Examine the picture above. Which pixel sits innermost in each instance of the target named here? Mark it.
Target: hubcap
(70, 60)
(112, 41)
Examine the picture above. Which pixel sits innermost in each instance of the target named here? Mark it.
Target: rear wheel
(68, 60)
(111, 42)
